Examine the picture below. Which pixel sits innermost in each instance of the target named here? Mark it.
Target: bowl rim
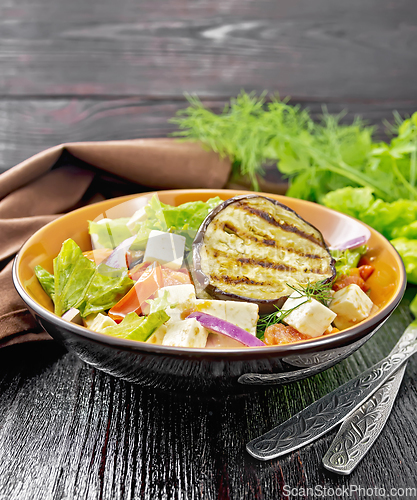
(326, 342)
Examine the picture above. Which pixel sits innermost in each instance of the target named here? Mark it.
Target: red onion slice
(353, 243)
(117, 259)
(223, 327)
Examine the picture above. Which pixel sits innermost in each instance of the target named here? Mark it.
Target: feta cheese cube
(351, 304)
(187, 333)
(139, 216)
(165, 248)
(181, 295)
(242, 314)
(98, 322)
(310, 317)
(216, 308)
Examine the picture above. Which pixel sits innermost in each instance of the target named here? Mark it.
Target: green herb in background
(328, 162)
(317, 157)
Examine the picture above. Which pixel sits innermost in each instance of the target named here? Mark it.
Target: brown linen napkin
(68, 176)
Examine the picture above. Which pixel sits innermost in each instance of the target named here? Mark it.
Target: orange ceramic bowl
(208, 370)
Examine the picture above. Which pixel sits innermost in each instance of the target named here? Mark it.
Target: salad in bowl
(244, 272)
(209, 290)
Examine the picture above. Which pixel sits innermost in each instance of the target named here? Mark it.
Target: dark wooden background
(97, 70)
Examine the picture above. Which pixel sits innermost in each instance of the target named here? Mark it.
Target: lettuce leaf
(185, 219)
(78, 282)
(413, 306)
(109, 234)
(46, 280)
(106, 288)
(349, 200)
(397, 220)
(347, 259)
(148, 326)
(408, 251)
(128, 325)
(72, 272)
(160, 303)
(136, 327)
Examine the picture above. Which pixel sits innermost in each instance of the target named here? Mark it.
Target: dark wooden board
(307, 49)
(77, 71)
(28, 126)
(70, 431)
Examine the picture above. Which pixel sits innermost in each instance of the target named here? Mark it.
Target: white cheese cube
(98, 322)
(187, 333)
(242, 314)
(216, 308)
(178, 293)
(351, 304)
(165, 248)
(310, 317)
(181, 295)
(139, 216)
(158, 335)
(73, 315)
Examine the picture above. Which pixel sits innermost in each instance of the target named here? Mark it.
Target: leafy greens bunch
(328, 162)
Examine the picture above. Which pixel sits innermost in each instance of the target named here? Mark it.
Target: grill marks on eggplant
(278, 223)
(255, 248)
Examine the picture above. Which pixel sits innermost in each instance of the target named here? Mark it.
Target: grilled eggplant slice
(254, 248)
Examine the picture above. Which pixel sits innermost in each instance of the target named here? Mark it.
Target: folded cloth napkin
(68, 176)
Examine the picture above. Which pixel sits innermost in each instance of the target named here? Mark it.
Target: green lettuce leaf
(408, 251)
(388, 218)
(347, 259)
(128, 325)
(79, 283)
(413, 306)
(46, 280)
(184, 219)
(72, 272)
(111, 233)
(149, 325)
(396, 220)
(349, 200)
(160, 303)
(136, 327)
(106, 288)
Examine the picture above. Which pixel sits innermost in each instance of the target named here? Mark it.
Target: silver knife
(359, 431)
(327, 412)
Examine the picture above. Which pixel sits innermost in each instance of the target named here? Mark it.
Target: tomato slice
(136, 272)
(171, 277)
(365, 271)
(144, 289)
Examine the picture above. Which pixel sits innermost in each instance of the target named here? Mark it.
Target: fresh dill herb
(319, 291)
(273, 318)
(316, 157)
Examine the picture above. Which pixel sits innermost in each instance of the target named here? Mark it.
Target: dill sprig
(319, 291)
(317, 157)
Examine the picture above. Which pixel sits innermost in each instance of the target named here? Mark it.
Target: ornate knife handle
(325, 413)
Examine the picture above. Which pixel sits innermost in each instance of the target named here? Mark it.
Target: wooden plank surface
(70, 431)
(307, 49)
(28, 126)
(76, 71)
